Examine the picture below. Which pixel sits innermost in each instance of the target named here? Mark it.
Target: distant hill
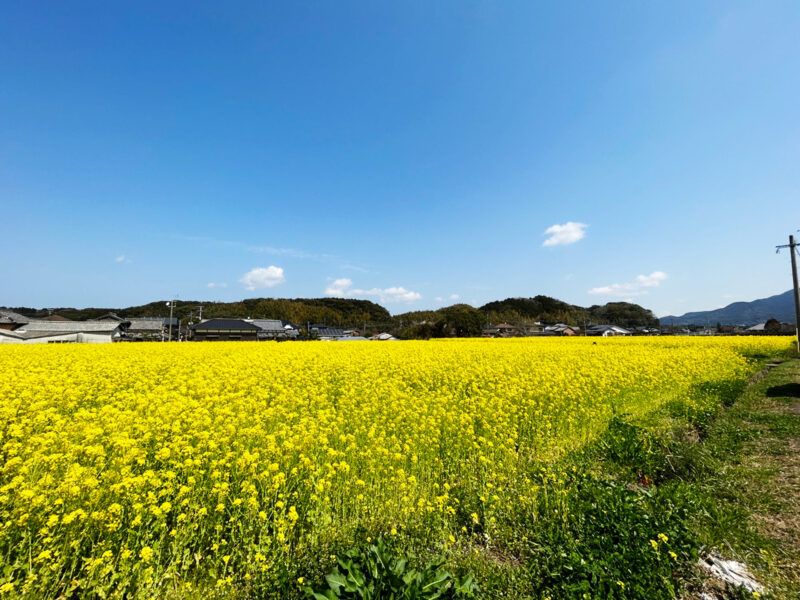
(333, 311)
(780, 307)
(551, 310)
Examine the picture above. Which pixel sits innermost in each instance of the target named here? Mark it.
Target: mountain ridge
(779, 306)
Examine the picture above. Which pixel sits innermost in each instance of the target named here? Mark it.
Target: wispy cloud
(262, 277)
(343, 263)
(343, 288)
(217, 285)
(562, 235)
(455, 297)
(123, 259)
(637, 287)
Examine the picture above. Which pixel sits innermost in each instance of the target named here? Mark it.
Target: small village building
(40, 331)
(10, 320)
(327, 334)
(562, 329)
(274, 329)
(607, 330)
(147, 329)
(501, 330)
(383, 337)
(225, 329)
(536, 328)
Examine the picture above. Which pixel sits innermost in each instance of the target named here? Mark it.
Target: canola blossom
(140, 470)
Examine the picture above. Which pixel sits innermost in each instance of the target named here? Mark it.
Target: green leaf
(336, 581)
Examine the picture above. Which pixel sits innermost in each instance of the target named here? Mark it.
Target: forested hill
(350, 312)
(551, 310)
(332, 311)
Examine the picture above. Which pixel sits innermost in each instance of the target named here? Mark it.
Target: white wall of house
(64, 338)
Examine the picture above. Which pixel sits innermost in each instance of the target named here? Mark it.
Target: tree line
(461, 320)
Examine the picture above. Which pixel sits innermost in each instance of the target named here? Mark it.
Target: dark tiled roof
(329, 332)
(239, 324)
(13, 317)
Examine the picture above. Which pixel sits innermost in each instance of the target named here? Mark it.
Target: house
(536, 328)
(606, 330)
(225, 329)
(10, 320)
(351, 338)
(327, 333)
(60, 332)
(562, 329)
(274, 329)
(642, 330)
(383, 337)
(147, 328)
(502, 330)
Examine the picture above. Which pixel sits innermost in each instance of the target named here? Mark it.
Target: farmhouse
(273, 329)
(562, 329)
(11, 320)
(501, 330)
(327, 333)
(606, 330)
(243, 329)
(147, 328)
(225, 329)
(61, 332)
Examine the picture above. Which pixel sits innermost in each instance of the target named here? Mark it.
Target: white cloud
(633, 288)
(341, 288)
(439, 299)
(568, 233)
(217, 285)
(123, 259)
(455, 297)
(338, 288)
(262, 277)
(652, 280)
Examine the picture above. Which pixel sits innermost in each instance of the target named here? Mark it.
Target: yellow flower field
(130, 469)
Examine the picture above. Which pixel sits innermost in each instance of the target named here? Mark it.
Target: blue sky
(413, 153)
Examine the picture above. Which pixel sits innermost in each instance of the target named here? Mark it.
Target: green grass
(704, 479)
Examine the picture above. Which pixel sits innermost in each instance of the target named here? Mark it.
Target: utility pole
(792, 249)
(171, 306)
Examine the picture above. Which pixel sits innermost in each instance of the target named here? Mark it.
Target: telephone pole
(792, 250)
(171, 307)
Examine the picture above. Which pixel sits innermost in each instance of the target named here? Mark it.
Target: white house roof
(70, 326)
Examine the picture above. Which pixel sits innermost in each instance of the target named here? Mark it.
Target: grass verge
(631, 514)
